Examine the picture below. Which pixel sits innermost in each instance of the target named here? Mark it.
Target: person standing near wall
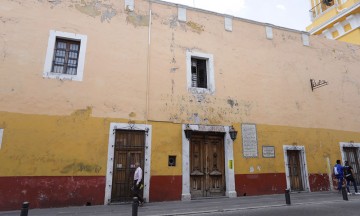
(137, 183)
(339, 174)
(348, 172)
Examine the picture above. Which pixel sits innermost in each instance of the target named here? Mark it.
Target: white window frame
(209, 72)
(50, 54)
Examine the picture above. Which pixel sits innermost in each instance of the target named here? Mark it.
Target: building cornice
(226, 15)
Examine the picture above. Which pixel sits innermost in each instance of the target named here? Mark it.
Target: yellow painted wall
(166, 141)
(51, 145)
(43, 145)
(319, 144)
(321, 18)
(77, 145)
(352, 37)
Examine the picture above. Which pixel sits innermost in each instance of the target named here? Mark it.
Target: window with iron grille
(66, 55)
(200, 72)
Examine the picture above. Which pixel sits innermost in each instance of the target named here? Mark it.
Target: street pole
(135, 205)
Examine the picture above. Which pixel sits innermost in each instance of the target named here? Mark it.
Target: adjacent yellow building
(210, 105)
(336, 19)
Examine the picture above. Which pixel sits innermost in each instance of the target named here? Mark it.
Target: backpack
(336, 172)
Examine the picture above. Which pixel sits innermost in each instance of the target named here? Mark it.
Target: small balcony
(321, 7)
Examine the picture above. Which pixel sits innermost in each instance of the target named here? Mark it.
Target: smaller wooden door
(351, 155)
(295, 172)
(128, 149)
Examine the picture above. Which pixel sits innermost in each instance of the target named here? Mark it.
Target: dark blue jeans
(340, 182)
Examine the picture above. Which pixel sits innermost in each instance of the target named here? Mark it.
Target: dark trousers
(348, 180)
(137, 191)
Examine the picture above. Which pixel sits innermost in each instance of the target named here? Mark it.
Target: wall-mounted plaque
(249, 138)
(268, 151)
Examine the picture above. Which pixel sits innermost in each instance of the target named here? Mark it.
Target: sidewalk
(192, 207)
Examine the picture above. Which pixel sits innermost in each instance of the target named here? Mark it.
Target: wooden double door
(128, 149)
(295, 170)
(207, 176)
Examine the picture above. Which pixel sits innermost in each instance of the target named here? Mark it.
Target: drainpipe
(148, 68)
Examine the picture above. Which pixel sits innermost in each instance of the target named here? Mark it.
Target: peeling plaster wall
(269, 80)
(257, 80)
(115, 63)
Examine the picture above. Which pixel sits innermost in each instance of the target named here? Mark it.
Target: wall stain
(195, 27)
(80, 115)
(91, 9)
(108, 14)
(231, 103)
(137, 20)
(207, 110)
(81, 167)
(95, 8)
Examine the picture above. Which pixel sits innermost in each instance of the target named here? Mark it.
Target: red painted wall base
(165, 188)
(260, 184)
(60, 191)
(319, 182)
(51, 191)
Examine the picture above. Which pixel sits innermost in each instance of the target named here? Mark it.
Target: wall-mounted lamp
(188, 132)
(233, 133)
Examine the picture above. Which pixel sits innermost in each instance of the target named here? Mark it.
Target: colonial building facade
(210, 105)
(336, 19)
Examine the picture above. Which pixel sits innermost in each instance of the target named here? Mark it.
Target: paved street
(308, 209)
(316, 203)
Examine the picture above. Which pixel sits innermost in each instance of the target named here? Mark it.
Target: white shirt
(138, 175)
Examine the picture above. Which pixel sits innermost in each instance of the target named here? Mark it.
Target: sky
(292, 14)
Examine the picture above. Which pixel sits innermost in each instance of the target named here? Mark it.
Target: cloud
(281, 7)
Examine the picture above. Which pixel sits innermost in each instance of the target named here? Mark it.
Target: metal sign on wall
(249, 138)
(268, 151)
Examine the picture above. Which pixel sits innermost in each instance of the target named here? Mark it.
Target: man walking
(349, 176)
(137, 183)
(339, 174)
